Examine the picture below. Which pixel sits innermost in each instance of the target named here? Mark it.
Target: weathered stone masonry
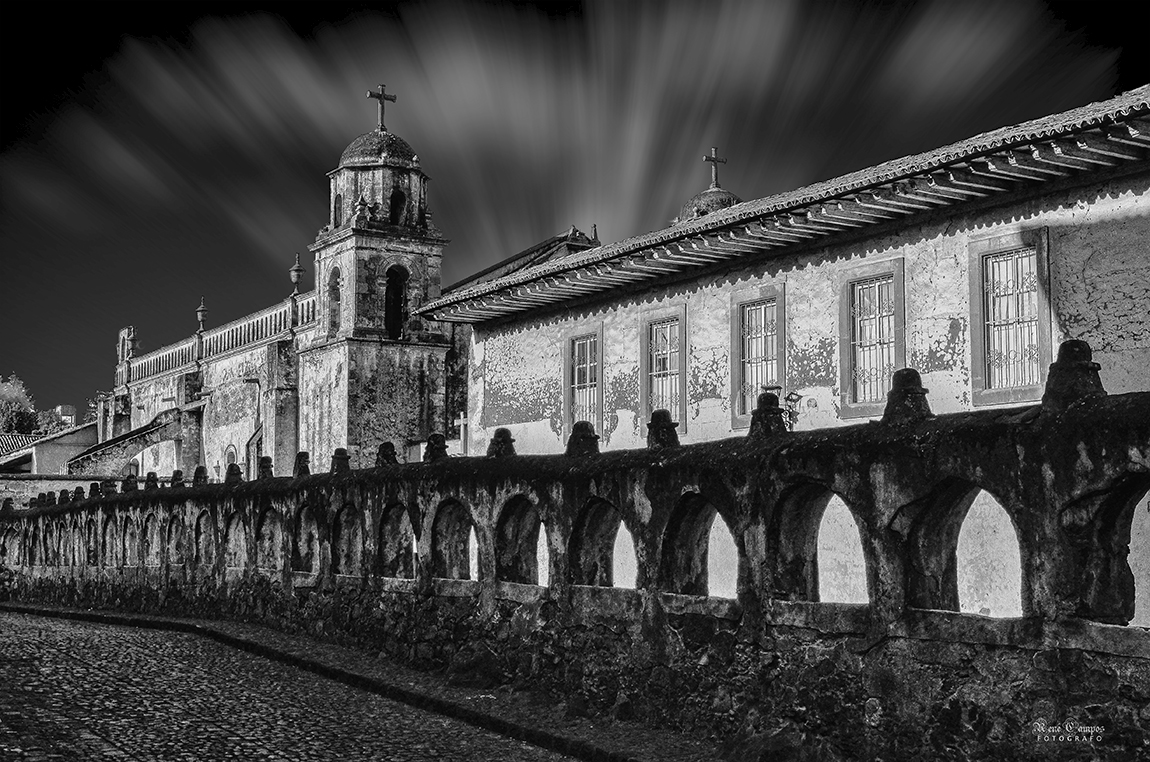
(903, 677)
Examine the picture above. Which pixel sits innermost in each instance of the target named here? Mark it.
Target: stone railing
(380, 556)
(259, 327)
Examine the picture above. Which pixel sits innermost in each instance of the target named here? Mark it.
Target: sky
(156, 153)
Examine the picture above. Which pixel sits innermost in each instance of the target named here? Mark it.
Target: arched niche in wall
(346, 541)
(988, 568)
(305, 542)
(395, 548)
(235, 543)
(517, 535)
(990, 544)
(205, 540)
(841, 564)
(334, 299)
(269, 542)
(109, 541)
(684, 565)
(794, 538)
(451, 542)
(92, 543)
(175, 541)
(396, 207)
(153, 540)
(395, 301)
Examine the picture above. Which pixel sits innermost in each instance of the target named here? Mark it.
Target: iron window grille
(759, 366)
(663, 361)
(1010, 319)
(872, 312)
(584, 379)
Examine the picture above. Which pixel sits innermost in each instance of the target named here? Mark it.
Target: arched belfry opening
(396, 207)
(333, 301)
(395, 302)
(337, 210)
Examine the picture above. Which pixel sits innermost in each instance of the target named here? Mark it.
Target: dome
(376, 147)
(711, 200)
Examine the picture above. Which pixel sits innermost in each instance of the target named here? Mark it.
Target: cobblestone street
(76, 690)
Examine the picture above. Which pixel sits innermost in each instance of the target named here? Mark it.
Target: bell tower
(377, 260)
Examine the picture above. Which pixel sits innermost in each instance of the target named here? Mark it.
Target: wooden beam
(1046, 154)
(1104, 147)
(924, 194)
(755, 244)
(1000, 166)
(1066, 149)
(839, 218)
(853, 210)
(1133, 133)
(961, 178)
(899, 201)
(728, 245)
(796, 222)
(1023, 160)
(775, 234)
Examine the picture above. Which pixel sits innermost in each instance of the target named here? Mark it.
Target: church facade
(969, 263)
(351, 364)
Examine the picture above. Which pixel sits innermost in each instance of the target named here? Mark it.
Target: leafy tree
(49, 422)
(17, 410)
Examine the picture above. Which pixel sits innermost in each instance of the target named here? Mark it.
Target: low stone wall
(18, 490)
(379, 558)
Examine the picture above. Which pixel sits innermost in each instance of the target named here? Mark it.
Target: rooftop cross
(381, 96)
(715, 162)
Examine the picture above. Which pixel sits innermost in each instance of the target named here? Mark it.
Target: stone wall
(379, 558)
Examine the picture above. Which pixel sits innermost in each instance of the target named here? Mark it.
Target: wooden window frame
(576, 332)
(648, 318)
(896, 269)
(977, 252)
(740, 299)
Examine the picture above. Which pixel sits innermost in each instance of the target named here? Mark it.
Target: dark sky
(157, 152)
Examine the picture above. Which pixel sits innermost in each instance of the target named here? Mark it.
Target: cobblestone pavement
(82, 691)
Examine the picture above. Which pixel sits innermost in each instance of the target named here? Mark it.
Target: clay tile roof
(13, 442)
(1135, 103)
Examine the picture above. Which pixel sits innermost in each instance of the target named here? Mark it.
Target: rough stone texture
(775, 671)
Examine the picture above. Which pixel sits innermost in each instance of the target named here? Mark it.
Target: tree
(17, 410)
(49, 422)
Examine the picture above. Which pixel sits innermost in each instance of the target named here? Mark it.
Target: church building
(970, 263)
(349, 365)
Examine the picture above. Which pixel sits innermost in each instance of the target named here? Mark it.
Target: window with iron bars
(584, 378)
(759, 360)
(663, 362)
(872, 355)
(1010, 319)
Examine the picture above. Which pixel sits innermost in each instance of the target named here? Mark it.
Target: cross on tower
(381, 96)
(715, 162)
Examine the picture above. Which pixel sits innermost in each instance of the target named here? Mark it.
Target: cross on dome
(715, 162)
(381, 97)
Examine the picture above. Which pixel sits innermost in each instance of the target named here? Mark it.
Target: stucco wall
(1098, 251)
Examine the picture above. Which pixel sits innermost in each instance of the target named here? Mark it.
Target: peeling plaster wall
(1099, 254)
(323, 394)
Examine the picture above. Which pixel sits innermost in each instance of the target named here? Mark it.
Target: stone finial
(436, 448)
(906, 400)
(661, 431)
(151, 481)
(265, 468)
(78, 494)
(386, 455)
(65, 497)
(200, 476)
(233, 476)
(34, 502)
(767, 419)
(583, 440)
(94, 490)
(340, 461)
(177, 479)
(107, 487)
(130, 483)
(1073, 377)
(48, 498)
(7, 506)
(502, 444)
(302, 464)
